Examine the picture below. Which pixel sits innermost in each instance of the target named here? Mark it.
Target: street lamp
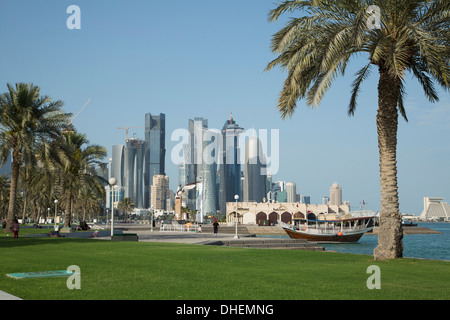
(56, 210)
(112, 182)
(48, 215)
(151, 212)
(236, 197)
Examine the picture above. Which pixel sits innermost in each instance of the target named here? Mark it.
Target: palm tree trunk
(390, 232)
(15, 166)
(68, 216)
(25, 203)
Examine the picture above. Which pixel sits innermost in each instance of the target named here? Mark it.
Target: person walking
(216, 227)
(16, 228)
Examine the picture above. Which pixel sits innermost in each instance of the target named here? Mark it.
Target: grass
(167, 271)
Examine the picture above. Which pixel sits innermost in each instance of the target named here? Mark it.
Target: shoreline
(409, 230)
(271, 230)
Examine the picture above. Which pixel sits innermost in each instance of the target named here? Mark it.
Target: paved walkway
(7, 296)
(179, 237)
(182, 237)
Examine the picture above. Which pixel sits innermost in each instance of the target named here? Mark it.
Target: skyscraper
(335, 194)
(254, 180)
(133, 175)
(155, 151)
(200, 159)
(229, 166)
(206, 166)
(160, 189)
(291, 191)
(117, 164)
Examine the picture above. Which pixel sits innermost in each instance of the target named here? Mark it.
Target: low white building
(268, 213)
(435, 209)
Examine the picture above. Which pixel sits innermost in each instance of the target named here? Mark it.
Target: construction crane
(126, 130)
(69, 126)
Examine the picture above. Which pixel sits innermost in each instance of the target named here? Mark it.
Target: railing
(176, 227)
(362, 213)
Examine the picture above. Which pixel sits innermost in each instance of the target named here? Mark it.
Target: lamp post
(236, 197)
(48, 215)
(56, 210)
(112, 182)
(151, 212)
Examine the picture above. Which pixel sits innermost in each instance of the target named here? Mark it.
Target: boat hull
(329, 238)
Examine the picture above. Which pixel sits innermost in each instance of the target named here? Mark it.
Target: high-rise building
(291, 191)
(155, 151)
(306, 199)
(188, 172)
(254, 179)
(335, 194)
(134, 171)
(207, 169)
(134, 164)
(160, 192)
(116, 169)
(229, 166)
(200, 165)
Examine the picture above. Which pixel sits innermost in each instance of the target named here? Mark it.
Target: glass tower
(155, 152)
(229, 165)
(254, 179)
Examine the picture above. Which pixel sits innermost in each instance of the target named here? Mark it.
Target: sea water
(426, 246)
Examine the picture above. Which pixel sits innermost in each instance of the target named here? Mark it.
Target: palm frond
(362, 75)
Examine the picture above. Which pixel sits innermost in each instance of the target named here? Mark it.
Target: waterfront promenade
(225, 230)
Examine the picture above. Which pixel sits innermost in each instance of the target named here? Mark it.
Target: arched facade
(265, 214)
(261, 219)
(286, 217)
(273, 218)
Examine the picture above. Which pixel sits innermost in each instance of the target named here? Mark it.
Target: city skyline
(207, 60)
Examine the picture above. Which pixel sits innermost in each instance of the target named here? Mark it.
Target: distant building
(435, 209)
(267, 213)
(155, 152)
(116, 169)
(307, 200)
(255, 164)
(206, 170)
(282, 196)
(335, 195)
(229, 164)
(170, 200)
(134, 164)
(160, 192)
(119, 194)
(291, 191)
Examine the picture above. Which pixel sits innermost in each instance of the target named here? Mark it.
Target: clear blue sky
(206, 58)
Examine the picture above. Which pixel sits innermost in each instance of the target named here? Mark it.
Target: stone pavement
(7, 296)
(182, 237)
(226, 239)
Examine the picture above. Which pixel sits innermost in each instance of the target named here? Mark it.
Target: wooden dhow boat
(346, 229)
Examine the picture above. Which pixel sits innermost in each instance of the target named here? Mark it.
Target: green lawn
(140, 271)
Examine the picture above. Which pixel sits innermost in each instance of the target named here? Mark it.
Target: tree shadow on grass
(8, 242)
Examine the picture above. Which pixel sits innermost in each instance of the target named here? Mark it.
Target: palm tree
(25, 119)
(412, 36)
(127, 205)
(77, 165)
